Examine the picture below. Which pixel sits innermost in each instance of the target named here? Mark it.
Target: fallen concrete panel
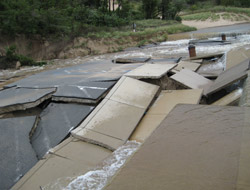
(195, 147)
(67, 161)
(152, 71)
(186, 65)
(161, 108)
(13, 99)
(191, 79)
(228, 77)
(115, 118)
(235, 57)
(17, 156)
(57, 120)
(132, 60)
(133, 92)
(166, 60)
(229, 99)
(209, 42)
(207, 56)
(111, 125)
(88, 92)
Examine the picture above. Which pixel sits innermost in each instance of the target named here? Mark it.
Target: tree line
(64, 17)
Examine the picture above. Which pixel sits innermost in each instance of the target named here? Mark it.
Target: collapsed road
(57, 126)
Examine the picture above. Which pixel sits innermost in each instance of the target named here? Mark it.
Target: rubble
(99, 105)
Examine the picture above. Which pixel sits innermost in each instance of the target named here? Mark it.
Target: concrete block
(152, 71)
(191, 79)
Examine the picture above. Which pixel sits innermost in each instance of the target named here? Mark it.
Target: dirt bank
(42, 49)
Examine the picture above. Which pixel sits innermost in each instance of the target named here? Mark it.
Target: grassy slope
(230, 13)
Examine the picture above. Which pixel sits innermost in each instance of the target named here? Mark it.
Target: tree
(150, 8)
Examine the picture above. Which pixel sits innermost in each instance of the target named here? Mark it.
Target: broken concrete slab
(195, 147)
(57, 120)
(103, 140)
(153, 71)
(191, 79)
(228, 77)
(132, 60)
(133, 92)
(209, 42)
(111, 125)
(166, 60)
(186, 65)
(116, 117)
(13, 99)
(229, 99)
(207, 56)
(160, 109)
(64, 163)
(235, 57)
(87, 92)
(17, 155)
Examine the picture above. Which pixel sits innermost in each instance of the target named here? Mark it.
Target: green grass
(144, 28)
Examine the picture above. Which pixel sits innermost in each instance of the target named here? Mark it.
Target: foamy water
(97, 179)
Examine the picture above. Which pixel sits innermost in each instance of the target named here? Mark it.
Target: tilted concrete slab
(235, 57)
(166, 60)
(111, 126)
(207, 56)
(132, 60)
(195, 147)
(17, 155)
(133, 92)
(103, 140)
(209, 42)
(67, 161)
(191, 79)
(160, 109)
(152, 71)
(57, 120)
(229, 99)
(87, 92)
(228, 77)
(13, 99)
(115, 118)
(186, 65)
